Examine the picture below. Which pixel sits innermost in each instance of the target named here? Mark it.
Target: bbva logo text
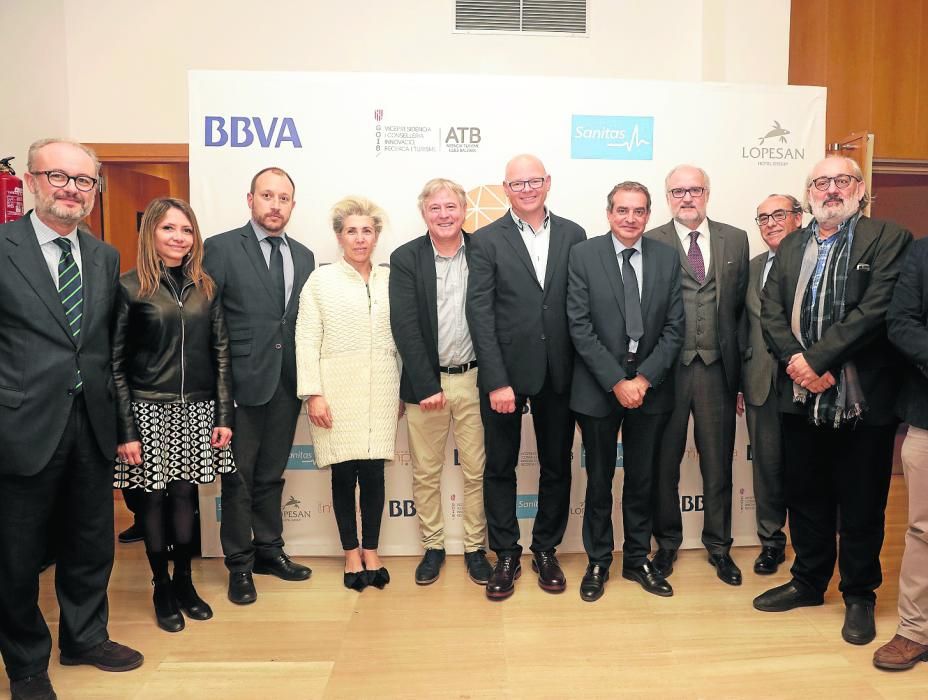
(242, 132)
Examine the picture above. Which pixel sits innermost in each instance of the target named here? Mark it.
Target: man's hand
(800, 371)
(824, 383)
(435, 402)
(739, 404)
(503, 400)
(318, 409)
(630, 392)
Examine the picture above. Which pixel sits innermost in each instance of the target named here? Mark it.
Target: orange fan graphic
(485, 204)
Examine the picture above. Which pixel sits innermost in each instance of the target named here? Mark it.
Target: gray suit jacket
(596, 313)
(39, 357)
(730, 261)
(261, 342)
(759, 370)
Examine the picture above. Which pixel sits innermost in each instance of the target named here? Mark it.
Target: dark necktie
(71, 293)
(634, 325)
(276, 267)
(694, 255)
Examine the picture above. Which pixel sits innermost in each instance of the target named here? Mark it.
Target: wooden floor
(318, 640)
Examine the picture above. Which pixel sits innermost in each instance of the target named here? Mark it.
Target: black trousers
(346, 476)
(641, 436)
(703, 391)
(767, 464)
(554, 433)
(71, 502)
(837, 476)
(251, 495)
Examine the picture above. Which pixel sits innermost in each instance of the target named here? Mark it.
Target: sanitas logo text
(605, 137)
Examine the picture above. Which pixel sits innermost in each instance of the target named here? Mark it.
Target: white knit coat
(345, 352)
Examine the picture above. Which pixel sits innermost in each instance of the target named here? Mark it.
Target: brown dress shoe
(550, 576)
(900, 653)
(107, 656)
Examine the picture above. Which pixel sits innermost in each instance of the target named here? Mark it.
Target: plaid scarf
(822, 283)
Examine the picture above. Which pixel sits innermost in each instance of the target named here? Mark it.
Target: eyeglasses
(681, 192)
(56, 178)
(535, 184)
(842, 182)
(779, 216)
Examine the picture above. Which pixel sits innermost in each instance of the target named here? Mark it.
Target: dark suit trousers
(251, 496)
(70, 501)
(837, 476)
(554, 434)
(703, 391)
(641, 436)
(770, 506)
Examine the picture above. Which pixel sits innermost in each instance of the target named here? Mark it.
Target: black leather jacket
(170, 347)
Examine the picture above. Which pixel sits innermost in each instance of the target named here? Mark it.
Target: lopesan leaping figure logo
(773, 156)
(777, 130)
(292, 511)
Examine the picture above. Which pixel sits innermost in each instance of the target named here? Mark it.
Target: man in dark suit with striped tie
(57, 423)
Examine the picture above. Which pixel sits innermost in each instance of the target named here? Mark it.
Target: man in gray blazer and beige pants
(714, 260)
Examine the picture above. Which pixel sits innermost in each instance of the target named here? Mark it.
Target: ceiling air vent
(521, 16)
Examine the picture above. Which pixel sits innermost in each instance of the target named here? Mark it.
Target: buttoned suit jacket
(414, 316)
(518, 327)
(729, 260)
(39, 357)
(596, 312)
(907, 322)
(261, 339)
(874, 263)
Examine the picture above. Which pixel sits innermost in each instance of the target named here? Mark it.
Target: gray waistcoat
(699, 302)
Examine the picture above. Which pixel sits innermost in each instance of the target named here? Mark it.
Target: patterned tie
(694, 255)
(71, 293)
(634, 325)
(276, 267)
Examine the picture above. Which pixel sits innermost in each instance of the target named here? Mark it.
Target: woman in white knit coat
(347, 369)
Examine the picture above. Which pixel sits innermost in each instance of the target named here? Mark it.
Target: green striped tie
(71, 293)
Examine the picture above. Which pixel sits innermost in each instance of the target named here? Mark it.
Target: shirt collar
(446, 257)
(850, 224)
(261, 234)
(46, 235)
(619, 246)
(545, 224)
(684, 231)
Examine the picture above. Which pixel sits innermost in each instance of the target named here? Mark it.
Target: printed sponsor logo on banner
(404, 137)
(302, 457)
(607, 137)
(218, 509)
(747, 502)
(773, 148)
(457, 506)
(526, 505)
(401, 509)
(750, 453)
(242, 132)
(692, 504)
(293, 510)
(528, 458)
(619, 456)
(457, 458)
(578, 509)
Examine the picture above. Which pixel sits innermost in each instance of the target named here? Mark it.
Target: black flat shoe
(167, 613)
(649, 578)
(859, 624)
(355, 580)
(190, 602)
(593, 583)
(377, 578)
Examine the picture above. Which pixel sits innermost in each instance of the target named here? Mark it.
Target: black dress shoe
(189, 601)
(663, 561)
(37, 687)
(502, 581)
(131, 534)
(786, 597)
(430, 566)
(859, 625)
(242, 588)
(593, 583)
(726, 569)
(107, 656)
(378, 578)
(550, 576)
(355, 580)
(650, 578)
(769, 560)
(478, 568)
(167, 612)
(283, 568)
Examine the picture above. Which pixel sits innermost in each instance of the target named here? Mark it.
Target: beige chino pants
(913, 576)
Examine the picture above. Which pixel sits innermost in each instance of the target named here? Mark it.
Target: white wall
(116, 71)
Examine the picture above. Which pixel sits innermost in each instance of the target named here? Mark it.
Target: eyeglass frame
(48, 176)
(828, 180)
(773, 215)
(522, 184)
(687, 191)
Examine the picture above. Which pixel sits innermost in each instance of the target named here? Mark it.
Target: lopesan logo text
(293, 511)
(773, 148)
(244, 132)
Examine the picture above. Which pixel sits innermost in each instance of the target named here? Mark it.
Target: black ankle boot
(166, 611)
(187, 597)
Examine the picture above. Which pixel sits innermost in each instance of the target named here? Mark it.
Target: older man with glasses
(824, 318)
(714, 261)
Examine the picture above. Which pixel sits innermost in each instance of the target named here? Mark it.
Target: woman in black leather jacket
(174, 395)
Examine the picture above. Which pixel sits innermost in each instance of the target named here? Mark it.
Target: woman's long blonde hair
(148, 264)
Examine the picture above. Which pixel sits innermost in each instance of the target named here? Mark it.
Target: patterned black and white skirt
(176, 446)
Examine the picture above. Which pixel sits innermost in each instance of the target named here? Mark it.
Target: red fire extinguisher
(11, 192)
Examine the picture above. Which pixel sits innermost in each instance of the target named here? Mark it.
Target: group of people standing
(197, 363)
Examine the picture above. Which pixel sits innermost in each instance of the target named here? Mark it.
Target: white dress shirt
(702, 240)
(537, 243)
(51, 250)
(635, 262)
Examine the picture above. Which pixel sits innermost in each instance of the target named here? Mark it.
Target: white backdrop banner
(384, 135)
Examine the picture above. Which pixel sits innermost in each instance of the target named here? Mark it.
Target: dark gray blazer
(261, 342)
(596, 311)
(907, 325)
(759, 369)
(38, 355)
(519, 329)
(730, 260)
(414, 316)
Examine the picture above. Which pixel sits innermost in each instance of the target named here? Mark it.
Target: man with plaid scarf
(824, 318)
